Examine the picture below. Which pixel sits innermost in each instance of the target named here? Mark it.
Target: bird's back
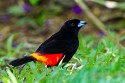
(60, 42)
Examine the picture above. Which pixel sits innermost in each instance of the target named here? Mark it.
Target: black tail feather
(21, 61)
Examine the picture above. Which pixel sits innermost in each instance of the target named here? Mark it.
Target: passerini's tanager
(59, 47)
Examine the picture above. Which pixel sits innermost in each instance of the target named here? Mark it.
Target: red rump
(48, 59)
(53, 59)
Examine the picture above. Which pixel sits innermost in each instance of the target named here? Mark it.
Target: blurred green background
(25, 24)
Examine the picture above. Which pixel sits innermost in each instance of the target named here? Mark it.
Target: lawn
(99, 59)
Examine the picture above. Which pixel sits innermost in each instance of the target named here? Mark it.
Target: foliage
(96, 61)
(34, 2)
(115, 4)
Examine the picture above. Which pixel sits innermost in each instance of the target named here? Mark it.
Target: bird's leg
(22, 66)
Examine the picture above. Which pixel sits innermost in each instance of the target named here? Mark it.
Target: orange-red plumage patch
(48, 59)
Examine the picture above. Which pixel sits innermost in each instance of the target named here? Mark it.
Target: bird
(60, 47)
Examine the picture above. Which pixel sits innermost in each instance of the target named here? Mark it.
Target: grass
(98, 60)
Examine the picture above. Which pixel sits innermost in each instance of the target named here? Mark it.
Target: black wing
(59, 43)
(68, 56)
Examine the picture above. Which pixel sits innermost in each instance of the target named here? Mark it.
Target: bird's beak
(82, 23)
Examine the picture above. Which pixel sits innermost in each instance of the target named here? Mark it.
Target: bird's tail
(21, 61)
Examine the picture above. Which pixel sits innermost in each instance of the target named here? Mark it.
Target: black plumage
(64, 41)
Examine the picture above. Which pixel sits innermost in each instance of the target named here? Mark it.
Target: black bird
(59, 47)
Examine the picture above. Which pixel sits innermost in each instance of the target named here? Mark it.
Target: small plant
(102, 63)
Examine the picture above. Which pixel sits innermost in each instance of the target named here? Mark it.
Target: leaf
(33, 68)
(16, 10)
(40, 76)
(82, 43)
(122, 38)
(34, 2)
(11, 76)
(21, 21)
(41, 18)
(9, 45)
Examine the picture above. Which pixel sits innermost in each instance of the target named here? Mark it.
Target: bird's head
(73, 24)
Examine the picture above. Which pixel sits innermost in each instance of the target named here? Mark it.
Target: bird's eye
(72, 24)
